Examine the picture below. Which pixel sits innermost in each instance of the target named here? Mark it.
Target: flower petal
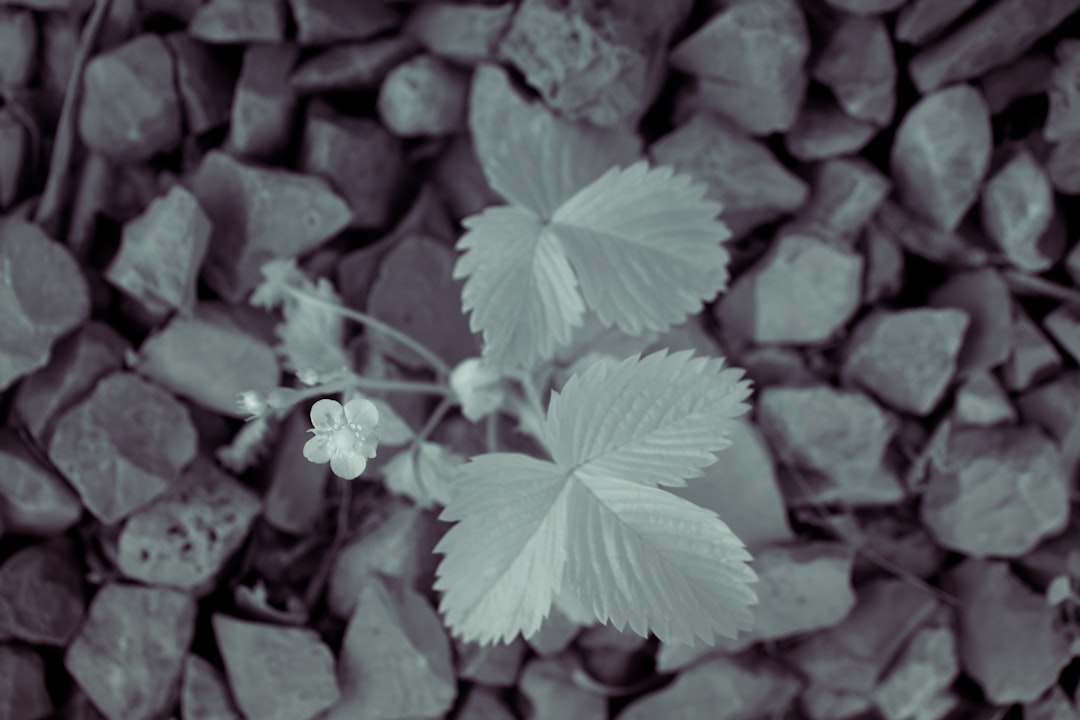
(363, 412)
(317, 449)
(348, 465)
(327, 414)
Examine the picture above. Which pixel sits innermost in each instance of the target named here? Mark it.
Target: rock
(884, 273)
(130, 108)
(922, 239)
(1063, 121)
(1033, 357)
(907, 358)
(549, 692)
(423, 96)
(276, 673)
(42, 594)
(1009, 639)
(23, 694)
(360, 159)
(461, 180)
(76, 364)
(997, 36)
(129, 653)
(740, 173)
(325, 22)
(395, 658)
(14, 157)
(1063, 324)
(982, 401)
(776, 365)
(1023, 78)
(1017, 207)
(204, 694)
(922, 20)
(33, 500)
(146, 435)
(264, 103)
(18, 46)
(1055, 704)
(823, 130)
(986, 300)
(1052, 406)
(161, 253)
(259, 214)
(722, 688)
(1064, 166)
(998, 491)
(483, 704)
(904, 543)
(614, 658)
(839, 436)
(186, 536)
(352, 66)
(846, 194)
(749, 59)
(801, 292)
(44, 296)
(866, 7)
(239, 21)
(923, 673)
(857, 65)
(1072, 264)
(204, 82)
(941, 153)
(464, 34)
(495, 665)
(600, 62)
(209, 358)
(294, 494)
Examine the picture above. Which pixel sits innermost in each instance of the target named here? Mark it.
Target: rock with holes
(857, 65)
(1017, 209)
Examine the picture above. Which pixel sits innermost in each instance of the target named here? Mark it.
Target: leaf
(310, 337)
(423, 474)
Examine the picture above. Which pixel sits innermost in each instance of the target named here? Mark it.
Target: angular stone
(884, 273)
(556, 633)
(997, 492)
(749, 59)
(905, 543)
(1055, 704)
(823, 130)
(363, 162)
(1063, 324)
(130, 108)
(1026, 77)
(33, 500)
(1072, 264)
(465, 34)
(922, 239)
(259, 214)
(325, 22)
(1033, 357)
(921, 20)
(1064, 166)
(846, 194)
(42, 594)
(352, 66)
(161, 254)
(982, 401)
(941, 153)
(44, 296)
(1064, 119)
(276, 673)
(740, 173)
(1017, 207)
(129, 653)
(1052, 406)
(495, 665)
(907, 358)
(986, 299)
(997, 36)
(264, 104)
(395, 658)
(239, 21)
(1009, 639)
(923, 673)
(22, 685)
(614, 658)
(18, 46)
(483, 704)
(294, 494)
(802, 292)
(838, 436)
(423, 96)
(857, 65)
(123, 445)
(866, 7)
(461, 180)
(14, 157)
(205, 83)
(549, 692)
(204, 694)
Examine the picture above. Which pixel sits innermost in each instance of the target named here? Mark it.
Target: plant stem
(492, 432)
(433, 421)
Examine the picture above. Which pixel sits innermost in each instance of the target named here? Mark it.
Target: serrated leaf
(520, 291)
(645, 245)
(310, 335)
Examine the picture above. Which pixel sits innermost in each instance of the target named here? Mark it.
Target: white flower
(345, 436)
(478, 387)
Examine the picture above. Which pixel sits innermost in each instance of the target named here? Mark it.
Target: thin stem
(404, 386)
(433, 421)
(492, 432)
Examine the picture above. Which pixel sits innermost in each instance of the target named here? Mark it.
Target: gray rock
(922, 675)
(204, 693)
(1072, 264)
(1017, 208)
(1055, 704)
(922, 239)
(293, 501)
(866, 7)
(33, 499)
(907, 358)
(1063, 324)
(1052, 406)
(352, 66)
(823, 130)
(857, 65)
(941, 153)
(239, 21)
(483, 704)
(205, 84)
(1064, 166)
(1026, 77)
(495, 665)
(14, 157)
(550, 693)
(461, 180)
(1063, 120)
(325, 22)
(985, 298)
(846, 194)
(129, 653)
(465, 34)
(23, 694)
(1032, 357)
(423, 96)
(884, 262)
(18, 46)
(921, 20)
(42, 594)
(264, 103)
(556, 633)
(982, 401)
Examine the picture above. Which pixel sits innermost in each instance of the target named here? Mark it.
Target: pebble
(1063, 121)
(130, 108)
(846, 194)
(903, 542)
(293, 501)
(352, 66)
(33, 499)
(941, 153)
(884, 274)
(997, 36)
(23, 694)
(161, 253)
(823, 130)
(740, 173)
(857, 65)
(1063, 325)
(721, 688)
(276, 673)
(14, 157)
(18, 47)
(1064, 166)
(230, 22)
(802, 291)
(1009, 639)
(146, 434)
(775, 365)
(550, 692)
(204, 82)
(866, 7)
(264, 104)
(325, 22)
(1052, 406)
(1072, 264)
(923, 20)
(395, 659)
(922, 675)
(1017, 208)
(615, 658)
(997, 491)
(750, 60)
(556, 633)
(1026, 77)
(362, 161)
(423, 96)
(985, 297)
(1055, 704)
(461, 180)
(495, 665)
(840, 436)
(483, 704)
(42, 594)
(907, 358)
(259, 214)
(922, 239)
(982, 401)
(129, 653)
(204, 693)
(465, 34)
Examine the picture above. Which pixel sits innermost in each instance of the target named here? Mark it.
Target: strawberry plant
(587, 240)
